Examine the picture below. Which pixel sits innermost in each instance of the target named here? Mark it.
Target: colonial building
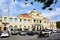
(27, 22)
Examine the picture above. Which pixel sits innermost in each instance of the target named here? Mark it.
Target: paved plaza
(54, 36)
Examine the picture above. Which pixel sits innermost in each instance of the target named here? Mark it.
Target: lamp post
(7, 3)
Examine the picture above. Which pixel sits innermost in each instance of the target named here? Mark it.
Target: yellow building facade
(27, 22)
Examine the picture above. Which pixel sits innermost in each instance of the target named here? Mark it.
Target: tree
(58, 24)
(46, 3)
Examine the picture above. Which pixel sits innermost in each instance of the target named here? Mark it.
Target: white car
(47, 32)
(22, 33)
(4, 34)
(54, 31)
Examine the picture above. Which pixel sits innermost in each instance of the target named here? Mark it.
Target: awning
(5, 23)
(25, 28)
(37, 24)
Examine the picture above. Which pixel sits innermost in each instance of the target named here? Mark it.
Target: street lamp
(7, 3)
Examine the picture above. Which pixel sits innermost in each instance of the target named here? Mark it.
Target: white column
(39, 27)
(35, 27)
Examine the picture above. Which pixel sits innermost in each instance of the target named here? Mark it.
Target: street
(54, 36)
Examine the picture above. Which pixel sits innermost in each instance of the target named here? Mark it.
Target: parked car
(58, 31)
(22, 33)
(31, 33)
(44, 33)
(5, 34)
(54, 31)
(0, 32)
(36, 32)
(49, 32)
(13, 32)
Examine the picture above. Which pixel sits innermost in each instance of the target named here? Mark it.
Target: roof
(34, 10)
(57, 21)
(51, 25)
(24, 15)
(45, 18)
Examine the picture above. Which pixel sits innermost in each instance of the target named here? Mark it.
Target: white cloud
(58, 19)
(27, 11)
(5, 10)
(52, 14)
(23, 5)
(13, 10)
(16, 1)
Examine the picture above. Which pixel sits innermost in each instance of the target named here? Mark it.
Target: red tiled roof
(45, 18)
(24, 15)
(51, 25)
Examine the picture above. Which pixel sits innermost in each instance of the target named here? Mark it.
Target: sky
(17, 7)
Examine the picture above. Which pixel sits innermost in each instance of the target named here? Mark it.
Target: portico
(37, 27)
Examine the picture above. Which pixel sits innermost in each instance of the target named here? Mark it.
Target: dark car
(36, 32)
(0, 32)
(13, 32)
(31, 33)
(58, 31)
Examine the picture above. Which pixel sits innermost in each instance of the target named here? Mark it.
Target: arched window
(33, 28)
(4, 28)
(15, 19)
(34, 20)
(40, 21)
(15, 27)
(40, 27)
(20, 20)
(11, 27)
(37, 27)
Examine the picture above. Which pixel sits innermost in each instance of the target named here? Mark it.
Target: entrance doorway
(33, 28)
(37, 28)
(5, 28)
(15, 28)
(0, 28)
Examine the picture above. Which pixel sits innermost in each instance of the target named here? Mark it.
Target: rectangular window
(45, 22)
(37, 14)
(20, 20)
(5, 18)
(28, 20)
(52, 22)
(37, 21)
(24, 20)
(40, 21)
(10, 19)
(34, 20)
(20, 26)
(24, 26)
(15, 19)
(28, 26)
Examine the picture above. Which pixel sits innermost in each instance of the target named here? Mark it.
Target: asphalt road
(54, 36)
